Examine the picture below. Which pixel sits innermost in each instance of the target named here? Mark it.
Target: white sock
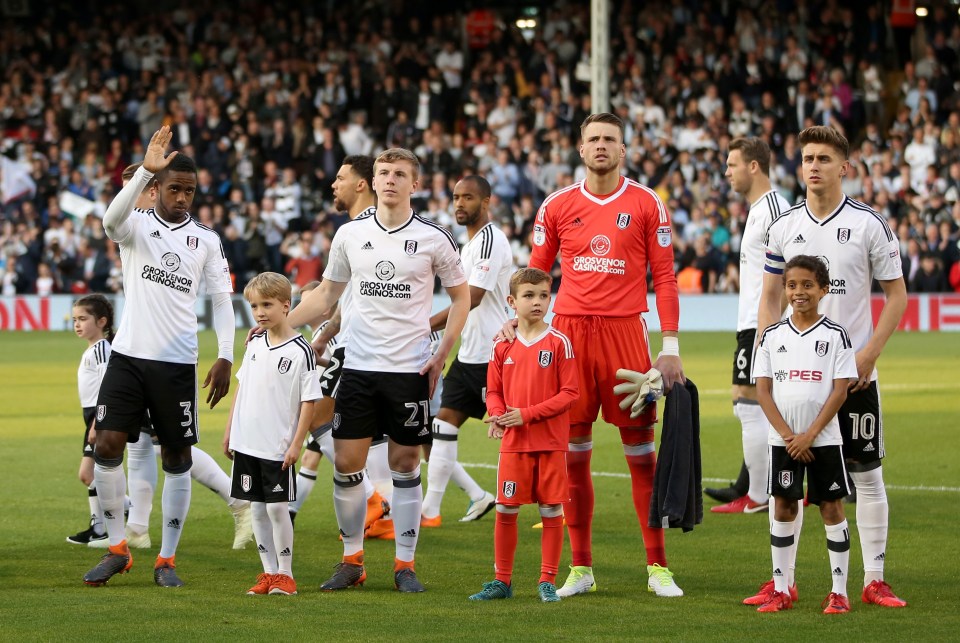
(754, 433)
(207, 472)
(462, 479)
(351, 509)
(326, 445)
(368, 488)
(872, 521)
(781, 539)
(111, 482)
(263, 532)
(838, 546)
(443, 457)
(306, 479)
(142, 470)
(279, 513)
(797, 527)
(175, 503)
(405, 509)
(96, 512)
(378, 468)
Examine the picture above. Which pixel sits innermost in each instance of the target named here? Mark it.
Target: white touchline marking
(610, 474)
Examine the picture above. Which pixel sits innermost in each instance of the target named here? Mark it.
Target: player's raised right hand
(154, 159)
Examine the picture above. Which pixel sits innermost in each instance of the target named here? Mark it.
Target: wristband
(671, 346)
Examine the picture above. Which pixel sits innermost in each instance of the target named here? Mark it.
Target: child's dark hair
(528, 276)
(815, 265)
(98, 306)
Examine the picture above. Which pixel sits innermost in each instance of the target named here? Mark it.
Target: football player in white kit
(748, 171)
(858, 246)
(488, 264)
(391, 259)
(166, 256)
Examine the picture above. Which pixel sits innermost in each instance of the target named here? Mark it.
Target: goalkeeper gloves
(639, 389)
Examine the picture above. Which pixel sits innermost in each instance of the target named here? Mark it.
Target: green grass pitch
(717, 564)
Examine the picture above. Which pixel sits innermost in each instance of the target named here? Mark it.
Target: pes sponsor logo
(797, 375)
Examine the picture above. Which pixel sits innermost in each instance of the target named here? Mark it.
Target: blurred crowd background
(269, 98)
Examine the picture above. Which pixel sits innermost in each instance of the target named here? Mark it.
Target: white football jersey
(803, 366)
(392, 272)
(274, 380)
(488, 264)
(93, 365)
(857, 246)
(163, 266)
(752, 252)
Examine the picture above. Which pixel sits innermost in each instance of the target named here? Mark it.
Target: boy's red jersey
(540, 378)
(605, 244)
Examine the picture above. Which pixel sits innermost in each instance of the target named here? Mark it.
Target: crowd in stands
(269, 98)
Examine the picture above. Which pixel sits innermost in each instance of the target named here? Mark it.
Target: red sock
(504, 545)
(579, 511)
(642, 467)
(551, 544)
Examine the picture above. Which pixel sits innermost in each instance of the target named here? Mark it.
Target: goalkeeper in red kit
(608, 230)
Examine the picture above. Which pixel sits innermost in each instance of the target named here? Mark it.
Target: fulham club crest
(101, 412)
(786, 479)
(509, 489)
(843, 235)
(410, 247)
(192, 243)
(546, 358)
(246, 482)
(623, 220)
(822, 348)
(284, 365)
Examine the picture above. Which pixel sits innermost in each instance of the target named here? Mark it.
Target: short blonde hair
(532, 276)
(397, 154)
(270, 285)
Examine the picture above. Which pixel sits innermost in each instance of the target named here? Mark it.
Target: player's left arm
(659, 246)
(449, 268)
(895, 292)
(216, 275)
(459, 309)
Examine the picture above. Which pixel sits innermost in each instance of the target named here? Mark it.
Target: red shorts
(532, 477)
(601, 346)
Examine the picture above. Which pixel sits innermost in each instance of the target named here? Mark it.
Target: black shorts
(89, 413)
(861, 424)
(465, 389)
(168, 391)
(330, 377)
(828, 475)
(743, 358)
(260, 480)
(396, 405)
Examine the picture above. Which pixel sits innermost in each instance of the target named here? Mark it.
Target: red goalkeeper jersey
(605, 245)
(540, 378)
